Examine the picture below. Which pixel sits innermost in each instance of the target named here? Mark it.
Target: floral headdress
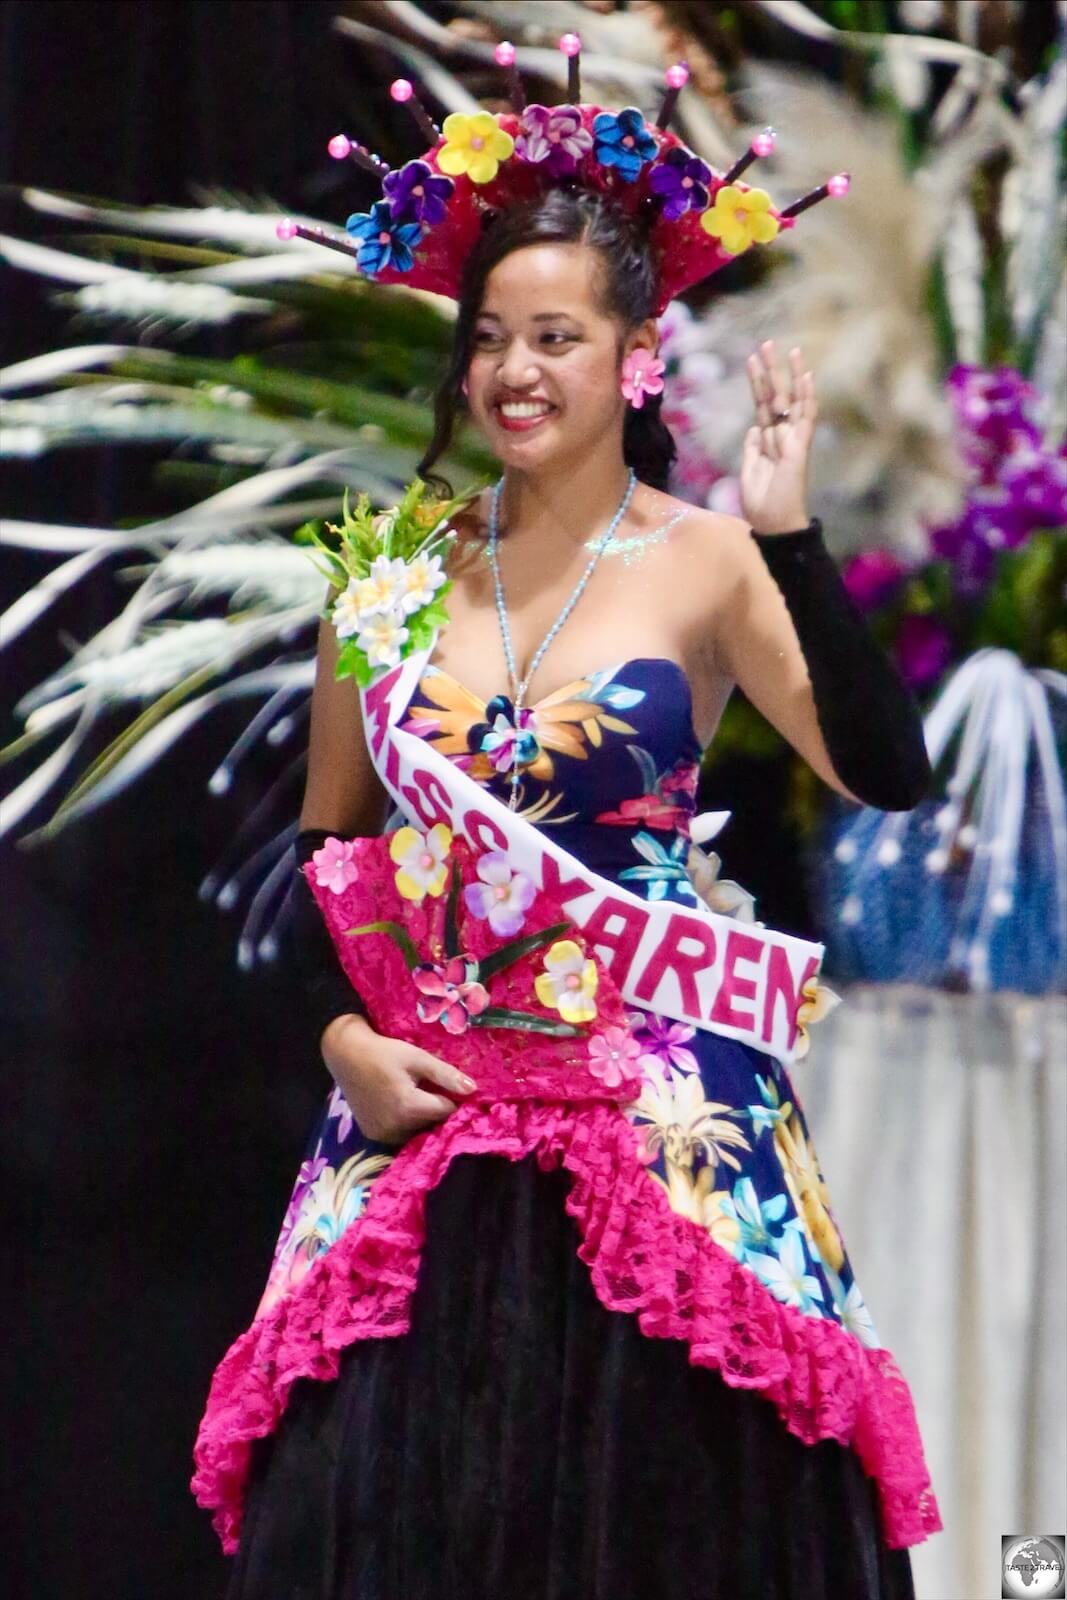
(432, 208)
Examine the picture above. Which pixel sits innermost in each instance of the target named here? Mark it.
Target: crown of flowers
(432, 208)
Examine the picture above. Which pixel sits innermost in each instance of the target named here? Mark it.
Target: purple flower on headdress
(682, 179)
(553, 136)
(416, 193)
(623, 142)
(383, 242)
(923, 649)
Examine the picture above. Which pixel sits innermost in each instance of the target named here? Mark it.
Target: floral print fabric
(700, 1203)
(717, 1122)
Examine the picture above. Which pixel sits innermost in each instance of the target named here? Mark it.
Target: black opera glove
(869, 719)
(326, 989)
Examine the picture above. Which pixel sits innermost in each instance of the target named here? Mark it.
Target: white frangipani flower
(382, 638)
(382, 591)
(423, 577)
(347, 612)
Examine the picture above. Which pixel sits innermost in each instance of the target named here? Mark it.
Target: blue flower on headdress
(682, 179)
(416, 193)
(382, 241)
(623, 142)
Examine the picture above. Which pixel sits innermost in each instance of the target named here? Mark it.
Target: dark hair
(628, 292)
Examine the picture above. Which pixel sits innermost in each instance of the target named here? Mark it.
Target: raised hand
(774, 459)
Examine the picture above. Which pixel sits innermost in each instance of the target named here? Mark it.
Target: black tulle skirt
(523, 1443)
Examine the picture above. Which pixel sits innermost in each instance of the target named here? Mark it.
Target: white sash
(740, 980)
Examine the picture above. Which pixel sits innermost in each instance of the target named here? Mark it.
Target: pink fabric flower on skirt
(335, 866)
(614, 1057)
(502, 898)
(449, 996)
(642, 373)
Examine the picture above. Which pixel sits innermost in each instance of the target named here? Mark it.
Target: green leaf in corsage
(389, 571)
(400, 937)
(525, 1021)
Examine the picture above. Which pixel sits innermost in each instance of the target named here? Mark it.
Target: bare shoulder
(717, 543)
(718, 528)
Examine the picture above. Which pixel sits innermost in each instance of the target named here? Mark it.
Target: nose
(517, 368)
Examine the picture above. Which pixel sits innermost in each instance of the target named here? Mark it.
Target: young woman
(541, 1427)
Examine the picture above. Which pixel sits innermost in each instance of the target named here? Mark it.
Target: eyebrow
(542, 316)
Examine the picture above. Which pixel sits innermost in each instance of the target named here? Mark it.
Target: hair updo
(628, 284)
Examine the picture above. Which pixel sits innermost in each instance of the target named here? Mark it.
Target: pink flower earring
(642, 373)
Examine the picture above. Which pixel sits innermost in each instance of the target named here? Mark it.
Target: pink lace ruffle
(644, 1258)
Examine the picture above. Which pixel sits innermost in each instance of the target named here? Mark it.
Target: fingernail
(467, 1083)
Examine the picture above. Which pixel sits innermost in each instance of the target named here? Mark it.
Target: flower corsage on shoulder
(388, 573)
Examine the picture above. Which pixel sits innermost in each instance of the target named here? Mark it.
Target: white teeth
(524, 408)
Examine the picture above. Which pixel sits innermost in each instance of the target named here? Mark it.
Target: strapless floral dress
(584, 1350)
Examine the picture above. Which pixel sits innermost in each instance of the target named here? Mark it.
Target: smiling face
(543, 379)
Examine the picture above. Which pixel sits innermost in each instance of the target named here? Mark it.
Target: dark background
(156, 1099)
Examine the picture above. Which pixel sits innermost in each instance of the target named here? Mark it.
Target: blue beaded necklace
(523, 744)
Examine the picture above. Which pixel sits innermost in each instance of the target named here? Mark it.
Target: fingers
(772, 395)
(775, 393)
(422, 1107)
(422, 1064)
(763, 397)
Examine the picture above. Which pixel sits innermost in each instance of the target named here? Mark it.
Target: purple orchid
(416, 193)
(923, 650)
(1017, 485)
(991, 521)
(553, 137)
(871, 576)
(993, 412)
(682, 180)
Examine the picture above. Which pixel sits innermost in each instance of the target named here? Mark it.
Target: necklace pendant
(507, 736)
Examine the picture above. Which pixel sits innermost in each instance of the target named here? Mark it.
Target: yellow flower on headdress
(740, 217)
(422, 860)
(475, 145)
(568, 982)
(818, 1003)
